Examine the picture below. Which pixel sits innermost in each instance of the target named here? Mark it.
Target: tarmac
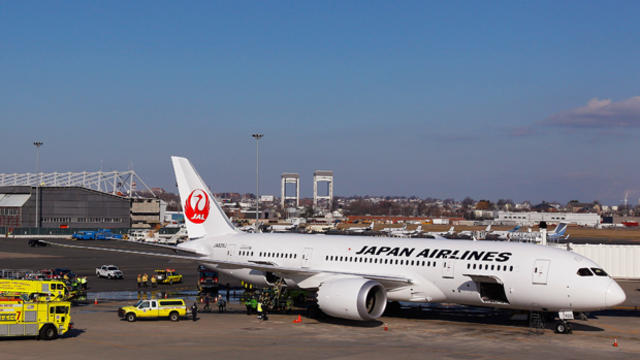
(414, 333)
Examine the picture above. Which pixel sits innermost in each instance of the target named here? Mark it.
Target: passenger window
(468, 265)
(492, 266)
(584, 272)
(511, 268)
(599, 272)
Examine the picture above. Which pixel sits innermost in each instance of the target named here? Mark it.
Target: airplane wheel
(562, 327)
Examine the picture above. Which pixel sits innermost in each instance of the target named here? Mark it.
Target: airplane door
(541, 272)
(231, 248)
(306, 256)
(447, 269)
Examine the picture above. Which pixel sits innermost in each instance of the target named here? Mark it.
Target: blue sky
(528, 101)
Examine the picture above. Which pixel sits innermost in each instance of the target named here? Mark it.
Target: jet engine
(352, 298)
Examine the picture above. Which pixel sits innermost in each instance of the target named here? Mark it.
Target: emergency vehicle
(168, 276)
(152, 309)
(53, 289)
(44, 319)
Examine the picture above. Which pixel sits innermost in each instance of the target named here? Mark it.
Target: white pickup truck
(109, 271)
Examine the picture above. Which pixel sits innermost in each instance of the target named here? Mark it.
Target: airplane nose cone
(614, 295)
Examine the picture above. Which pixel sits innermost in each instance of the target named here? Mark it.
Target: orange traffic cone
(386, 327)
(298, 320)
(615, 342)
(95, 301)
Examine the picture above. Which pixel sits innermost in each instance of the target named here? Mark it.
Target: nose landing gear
(562, 327)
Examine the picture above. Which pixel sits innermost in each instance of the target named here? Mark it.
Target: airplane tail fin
(203, 215)
(560, 229)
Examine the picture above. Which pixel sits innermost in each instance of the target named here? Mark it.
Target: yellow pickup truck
(174, 309)
(168, 276)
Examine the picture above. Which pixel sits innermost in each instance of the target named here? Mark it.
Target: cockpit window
(584, 272)
(599, 272)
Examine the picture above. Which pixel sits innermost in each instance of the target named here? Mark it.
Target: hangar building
(62, 207)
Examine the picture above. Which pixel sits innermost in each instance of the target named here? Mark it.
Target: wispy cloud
(522, 131)
(600, 114)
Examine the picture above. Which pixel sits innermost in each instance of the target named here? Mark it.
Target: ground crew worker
(221, 304)
(84, 283)
(289, 304)
(254, 304)
(139, 280)
(154, 281)
(260, 310)
(145, 279)
(194, 311)
(247, 303)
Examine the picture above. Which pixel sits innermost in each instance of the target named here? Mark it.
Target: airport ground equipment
(52, 289)
(84, 235)
(45, 319)
(109, 272)
(168, 276)
(208, 280)
(102, 234)
(173, 309)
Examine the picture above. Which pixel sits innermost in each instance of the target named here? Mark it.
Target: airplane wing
(389, 282)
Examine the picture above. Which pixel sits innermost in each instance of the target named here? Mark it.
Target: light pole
(37, 144)
(257, 136)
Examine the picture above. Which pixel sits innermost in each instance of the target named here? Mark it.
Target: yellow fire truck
(44, 319)
(51, 289)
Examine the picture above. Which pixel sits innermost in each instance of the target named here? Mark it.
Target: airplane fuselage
(481, 273)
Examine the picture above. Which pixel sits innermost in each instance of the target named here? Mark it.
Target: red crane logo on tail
(196, 208)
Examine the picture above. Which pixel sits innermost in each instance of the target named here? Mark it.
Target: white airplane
(437, 234)
(504, 234)
(355, 276)
(481, 234)
(536, 236)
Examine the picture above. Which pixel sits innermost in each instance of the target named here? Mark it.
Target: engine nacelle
(352, 298)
